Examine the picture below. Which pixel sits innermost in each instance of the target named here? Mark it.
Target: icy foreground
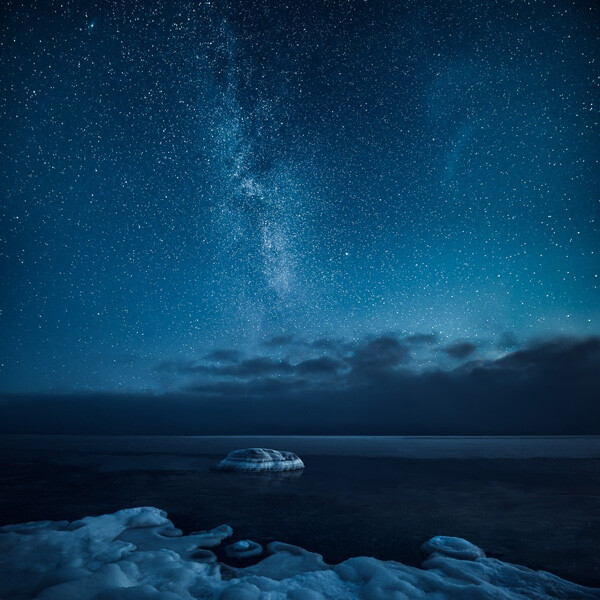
(137, 554)
(260, 459)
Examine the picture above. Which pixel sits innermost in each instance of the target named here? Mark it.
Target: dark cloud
(241, 390)
(550, 387)
(230, 356)
(564, 357)
(248, 368)
(379, 355)
(254, 367)
(508, 340)
(279, 341)
(460, 350)
(330, 345)
(319, 366)
(421, 338)
(373, 356)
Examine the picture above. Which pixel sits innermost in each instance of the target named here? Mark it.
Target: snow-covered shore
(138, 554)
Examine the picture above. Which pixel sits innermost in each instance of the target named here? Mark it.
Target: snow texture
(137, 554)
(260, 459)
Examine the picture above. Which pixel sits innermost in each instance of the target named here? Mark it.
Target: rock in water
(260, 459)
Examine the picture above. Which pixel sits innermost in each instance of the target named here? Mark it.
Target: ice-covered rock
(243, 549)
(453, 547)
(260, 459)
(137, 554)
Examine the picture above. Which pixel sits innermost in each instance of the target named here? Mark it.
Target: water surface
(531, 501)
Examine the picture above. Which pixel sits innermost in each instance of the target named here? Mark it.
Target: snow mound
(243, 549)
(260, 459)
(453, 547)
(137, 554)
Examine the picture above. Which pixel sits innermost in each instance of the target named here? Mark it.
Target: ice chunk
(287, 560)
(453, 547)
(243, 549)
(260, 459)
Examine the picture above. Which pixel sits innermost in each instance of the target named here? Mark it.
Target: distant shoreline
(576, 446)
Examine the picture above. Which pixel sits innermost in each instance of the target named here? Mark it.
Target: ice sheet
(138, 554)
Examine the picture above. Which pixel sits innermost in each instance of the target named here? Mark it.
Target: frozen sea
(533, 501)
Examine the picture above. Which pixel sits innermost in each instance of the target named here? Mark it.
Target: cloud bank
(379, 385)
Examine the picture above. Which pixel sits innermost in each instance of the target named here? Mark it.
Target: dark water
(531, 501)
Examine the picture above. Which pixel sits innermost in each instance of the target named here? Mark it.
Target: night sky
(306, 216)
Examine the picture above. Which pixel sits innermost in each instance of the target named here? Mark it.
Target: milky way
(184, 178)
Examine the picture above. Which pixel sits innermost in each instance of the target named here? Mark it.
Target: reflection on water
(254, 477)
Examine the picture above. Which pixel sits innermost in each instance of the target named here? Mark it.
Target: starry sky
(242, 199)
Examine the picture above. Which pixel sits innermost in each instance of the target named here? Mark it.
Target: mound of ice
(260, 459)
(243, 549)
(453, 547)
(137, 554)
